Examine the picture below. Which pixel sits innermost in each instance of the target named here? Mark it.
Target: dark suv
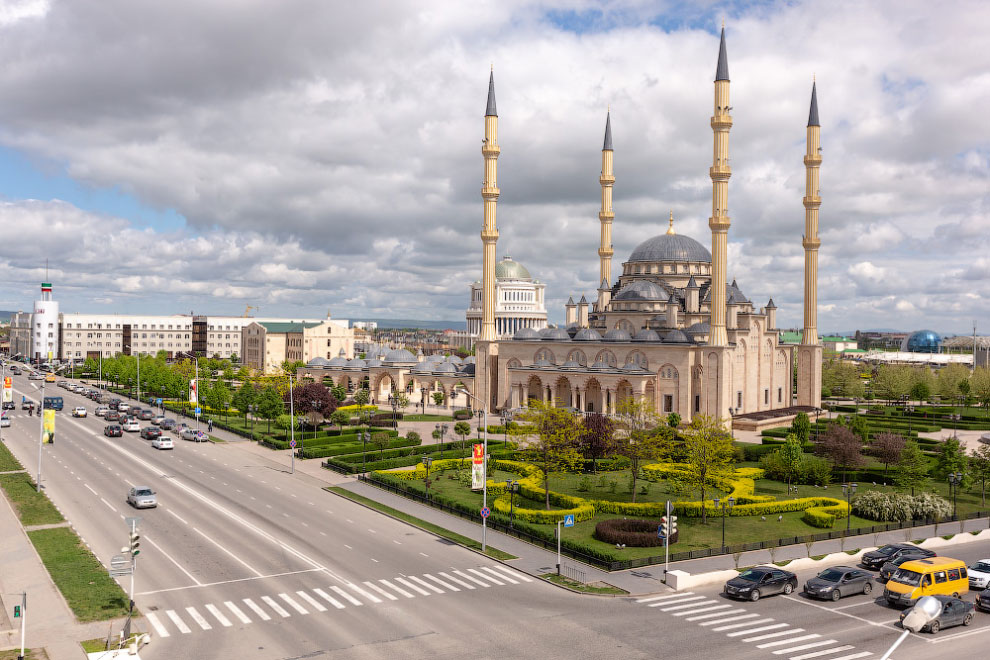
(112, 431)
(150, 433)
(146, 415)
(875, 559)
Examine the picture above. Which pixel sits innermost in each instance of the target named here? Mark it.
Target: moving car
(754, 583)
(150, 433)
(875, 559)
(162, 442)
(50, 378)
(142, 497)
(146, 415)
(9, 405)
(194, 435)
(26, 403)
(979, 575)
(78, 411)
(933, 576)
(123, 406)
(167, 424)
(179, 428)
(157, 419)
(131, 425)
(112, 416)
(113, 431)
(838, 581)
(101, 411)
(983, 601)
(36, 375)
(4, 421)
(955, 612)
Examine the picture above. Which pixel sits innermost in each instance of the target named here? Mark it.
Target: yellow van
(927, 577)
(50, 378)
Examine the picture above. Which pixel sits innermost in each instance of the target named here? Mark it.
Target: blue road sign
(485, 512)
(158, 402)
(659, 531)
(198, 410)
(569, 520)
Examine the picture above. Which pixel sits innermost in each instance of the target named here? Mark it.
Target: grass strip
(7, 461)
(87, 587)
(422, 524)
(29, 654)
(97, 645)
(582, 587)
(32, 507)
(214, 438)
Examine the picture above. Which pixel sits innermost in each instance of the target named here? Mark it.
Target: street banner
(478, 467)
(193, 396)
(49, 428)
(8, 389)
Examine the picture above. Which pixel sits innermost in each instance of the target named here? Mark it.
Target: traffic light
(672, 525)
(17, 611)
(664, 527)
(135, 544)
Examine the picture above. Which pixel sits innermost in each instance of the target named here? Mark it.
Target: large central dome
(671, 247)
(507, 269)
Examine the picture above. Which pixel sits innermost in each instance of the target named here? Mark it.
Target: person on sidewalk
(209, 425)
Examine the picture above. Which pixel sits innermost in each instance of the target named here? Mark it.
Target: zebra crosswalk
(779, 638)
(283, 605)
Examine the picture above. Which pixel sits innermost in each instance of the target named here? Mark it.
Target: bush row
(322, 451)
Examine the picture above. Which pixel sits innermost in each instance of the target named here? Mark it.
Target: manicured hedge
(322, 451)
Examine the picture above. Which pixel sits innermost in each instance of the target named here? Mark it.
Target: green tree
(859, 426)
(244, 397)
(948, 379)
(438, 398)
(980, 385)
(950, 457)
(340, 418)
(709, 454)
(912, 470)
(891, 382)
(639, 435)
(790, 457)
(555, 448)
(362, 396)
(270, 405)
(673, 420)
(462, 429)
(842, 379)
(801, 428)
(339, 392)
(979, 469)
(380, 440)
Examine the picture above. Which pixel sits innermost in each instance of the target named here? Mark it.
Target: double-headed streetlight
(512, 487)
(484, 467)
(726, 505)
(427, 461)
(364, 448)
(848, 490)
(955, 480)
(442, 430)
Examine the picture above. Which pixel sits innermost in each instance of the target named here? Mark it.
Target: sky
(298, 156)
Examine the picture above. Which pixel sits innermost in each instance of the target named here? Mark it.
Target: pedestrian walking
(209, 425)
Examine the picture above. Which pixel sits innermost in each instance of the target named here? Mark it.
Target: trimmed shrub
(930, 506)
(878, 505)
(462, 414)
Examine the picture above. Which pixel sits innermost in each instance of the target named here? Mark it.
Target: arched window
(606, 356)
(637, 358)
(667, 372)
(544, 354)
(578, 356)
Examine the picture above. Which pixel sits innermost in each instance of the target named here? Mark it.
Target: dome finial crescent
(670, 229)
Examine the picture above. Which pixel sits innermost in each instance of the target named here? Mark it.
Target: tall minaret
(489, 233)
(809, 361)
(607, 179)
(719, 221)
(812, 163)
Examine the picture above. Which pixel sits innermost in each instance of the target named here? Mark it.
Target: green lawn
(7, 461)
(88, 589)
(32, 507)
(29, 654)
(580, 586)
(427, 418)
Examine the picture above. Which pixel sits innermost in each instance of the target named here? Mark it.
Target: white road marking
(348, 547)
(708, 608)
(396, 542)
(412, 586)
(176, 515)
(756, 630)
(257, 610)
(485, 577)
(731, 618)
(109, 505)
(740, 625)
(315, 604)
(816, 654)
(244, 563)
(667, 597)
(374, 560)
(473, 579)
(804, 647)
(373, 598)
(424, 554)
(460, 582)
(372, 585)
(237, 612)
(499, 575)
(854, 656)
(718, 616)
(224, 621)
(426, 584)
(198, 618)
(275, 606)
(172, 559)
(664, 607)
(340, 592)
(760, 638)
(160, 630)
(372, 531)
(399, 590)
(91, 490)
(788, 641)
(330, 599)
(512, 573)
(179, 623)
(441, 582)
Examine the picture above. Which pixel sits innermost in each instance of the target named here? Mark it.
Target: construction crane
(248, 309)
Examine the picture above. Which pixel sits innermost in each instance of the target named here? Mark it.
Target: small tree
(801, 428)
(887, 448)
(673, 420)
(843, 447)
(790, 457)
(340, 417)
(709, 454)
(557, 438)
(979, 468)
(462, 429)
(597, 438)
(314, 401)
(245, 397)
(380, 440)
(339, 392)
(950, 458)
(270, 405)
(912, 470)
(362, 396)
(639, 435)
(438, 398)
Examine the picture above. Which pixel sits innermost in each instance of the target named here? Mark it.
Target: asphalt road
(243, 560)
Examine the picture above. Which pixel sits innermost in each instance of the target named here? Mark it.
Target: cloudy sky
(204, 155)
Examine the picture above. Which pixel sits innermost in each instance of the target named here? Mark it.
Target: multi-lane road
(243, 560)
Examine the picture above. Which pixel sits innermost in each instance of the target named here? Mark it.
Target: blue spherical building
(922, 341)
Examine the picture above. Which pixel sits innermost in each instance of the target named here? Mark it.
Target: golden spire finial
(493, 66)
(670, 229)
(723, 21)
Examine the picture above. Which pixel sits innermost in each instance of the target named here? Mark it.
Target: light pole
(955, 480)
(41, 431)
(292, 429)
(394, 400)
(427, 461)
(848, 490)
(505, 426)
(910, 412)
(364, 449)
(423, 398)
(484, 470)
(725, 504)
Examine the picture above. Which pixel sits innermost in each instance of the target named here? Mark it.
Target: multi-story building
(519, 301)
(20, 334)
(266, 345)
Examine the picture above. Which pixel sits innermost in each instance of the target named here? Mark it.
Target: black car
(112, 416)
(9, 405)
(150, 433)
(955, 612)
(114, 403)
(112, 431)
(875, 559)
(891, 566)
(166, 424)
(838, 581)
(754, 583)
(983, 600)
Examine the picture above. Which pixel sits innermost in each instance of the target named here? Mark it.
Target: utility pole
(292, 429)
(41, 432)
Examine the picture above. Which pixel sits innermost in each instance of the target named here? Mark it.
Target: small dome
(543, 363)
(543, 332)
(337, 362)
(507, 269)
(423, 368)
(555, 334)
(374, 362)
(632, 366)
(399, 355)
(356, 363)
(671, 247)
(646, 335)
(467, 368)
(676, 337)
(642, 290)
(701, 328)
(599, 366)
(318, 362)
(453, 359)
(526, 333)
(469, 360)
(445, 368)
(617, 335)
(587, 334)
(922, 341)
(433, 358)
(571, 364)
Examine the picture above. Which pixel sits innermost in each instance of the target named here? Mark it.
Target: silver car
(194, 435)
(142, 497)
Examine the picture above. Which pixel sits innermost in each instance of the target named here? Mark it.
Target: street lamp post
(423, 398)
(394, 402)
(955, 480)
(848, 490)
(484, 469)
(364, 449)
(725, 504)
(505, 426)
(292, 429)
(512, 487)
(910, 412)
(427, 461)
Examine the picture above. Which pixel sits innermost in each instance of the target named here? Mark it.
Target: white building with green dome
(519, 301)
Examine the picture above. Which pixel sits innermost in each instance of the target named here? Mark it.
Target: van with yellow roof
(927, 577)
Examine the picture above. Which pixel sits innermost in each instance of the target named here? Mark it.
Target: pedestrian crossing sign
(569, 520)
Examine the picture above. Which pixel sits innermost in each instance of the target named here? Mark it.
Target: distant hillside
(5, 316)
(414, 323)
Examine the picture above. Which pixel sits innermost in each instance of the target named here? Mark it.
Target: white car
(4, 421)
(157, 419)
(162, 442)
(123, 407)
(979, 575)
(78, 411)
(131, 425)
(101, 411)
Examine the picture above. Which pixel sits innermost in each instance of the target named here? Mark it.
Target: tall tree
(462, 429)
(313, 400)
(640, 435)
(887, 448)
(842, 379)
(597, 438)
(950, 458)
(947, 381)
(555, 447)
(801, 427)
(362, 397)
(891, 382)
(244, 397)
(270, 405)
(912, 470)
(980, 385)
(979, 468)
(709, 454)
(843, 447)
(790, 457)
